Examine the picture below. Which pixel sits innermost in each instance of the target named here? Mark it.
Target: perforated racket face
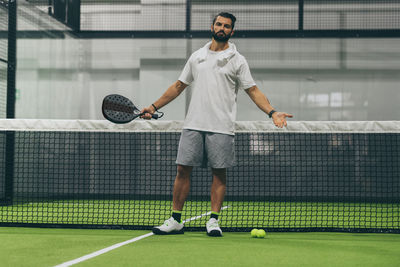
(119, 109)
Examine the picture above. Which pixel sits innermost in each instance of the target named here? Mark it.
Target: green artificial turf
(237, 213)
(49, 247)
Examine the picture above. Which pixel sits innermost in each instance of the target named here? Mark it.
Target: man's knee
(219, 174)
(184, 171)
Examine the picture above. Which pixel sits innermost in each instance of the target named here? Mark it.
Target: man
(217, 72)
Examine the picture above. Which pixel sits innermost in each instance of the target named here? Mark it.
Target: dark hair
(226, 15)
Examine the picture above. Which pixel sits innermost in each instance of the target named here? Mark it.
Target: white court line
(107, 249)
(202, 215)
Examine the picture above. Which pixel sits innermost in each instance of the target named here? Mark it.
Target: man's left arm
(263, 103)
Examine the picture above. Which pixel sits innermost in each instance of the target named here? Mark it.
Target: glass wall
(63, 76)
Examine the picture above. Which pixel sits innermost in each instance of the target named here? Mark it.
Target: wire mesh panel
(253, 15)
(311, 176)
(35, 16)
(178, 15)
(133, 15)
(351, 15)
(191, 18)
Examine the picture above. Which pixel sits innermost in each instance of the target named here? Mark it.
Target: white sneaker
(213, 228)
(170, 227)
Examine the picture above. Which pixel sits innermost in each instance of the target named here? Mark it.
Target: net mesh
(351, 15)
(311, 176)
(161, 15)
(252, 15)
(133, 15)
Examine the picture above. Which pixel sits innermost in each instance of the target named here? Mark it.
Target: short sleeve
(187, 73)
(244, 78)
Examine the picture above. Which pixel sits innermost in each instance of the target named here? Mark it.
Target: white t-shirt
(215, 78)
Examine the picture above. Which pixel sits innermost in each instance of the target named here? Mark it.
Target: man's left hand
(279, 118)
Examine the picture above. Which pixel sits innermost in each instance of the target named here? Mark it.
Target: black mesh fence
(150, 15)
(351, 15)
(197, 15)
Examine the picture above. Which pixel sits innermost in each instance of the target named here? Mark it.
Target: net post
(188, 17)
(12, 58)
(9, 169)
(188, 93)
(301, 15)
(73, 16)
(10, 113)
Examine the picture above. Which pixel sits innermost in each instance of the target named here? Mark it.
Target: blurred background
(317, 59)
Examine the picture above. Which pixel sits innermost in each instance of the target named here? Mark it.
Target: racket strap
(159, 112)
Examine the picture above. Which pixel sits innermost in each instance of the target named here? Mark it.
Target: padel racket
(119, 109)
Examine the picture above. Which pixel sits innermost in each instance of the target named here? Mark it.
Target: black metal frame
(189, 33)
(10, 113)
(60, 10)
(243, 34)
(56, 34)
(301, 15)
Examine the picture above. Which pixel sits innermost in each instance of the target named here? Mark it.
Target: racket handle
(154, 116)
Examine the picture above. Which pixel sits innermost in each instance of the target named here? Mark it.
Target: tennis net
(311, 176)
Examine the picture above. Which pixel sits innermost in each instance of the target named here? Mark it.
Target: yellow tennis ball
(254, 233)
(261, 233)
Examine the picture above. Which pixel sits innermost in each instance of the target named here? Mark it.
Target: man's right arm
(172, 92)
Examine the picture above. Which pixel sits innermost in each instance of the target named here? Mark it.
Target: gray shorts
(197, 148)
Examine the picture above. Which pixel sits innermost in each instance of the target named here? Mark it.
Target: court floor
(51, 247)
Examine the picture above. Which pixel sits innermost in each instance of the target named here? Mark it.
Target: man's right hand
(148, 112)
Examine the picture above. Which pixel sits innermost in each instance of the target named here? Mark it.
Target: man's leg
(181, 189)
(218, 189)
(190, 153)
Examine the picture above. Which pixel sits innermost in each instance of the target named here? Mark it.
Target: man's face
(222, 29)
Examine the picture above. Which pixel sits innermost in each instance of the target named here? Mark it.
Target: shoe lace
(166, 222)
(214, 224)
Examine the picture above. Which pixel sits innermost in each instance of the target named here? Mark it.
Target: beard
(221, 38)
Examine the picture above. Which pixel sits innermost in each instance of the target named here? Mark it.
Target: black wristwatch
(271, 112)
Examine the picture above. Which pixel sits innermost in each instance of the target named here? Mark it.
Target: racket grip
(154, 116)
